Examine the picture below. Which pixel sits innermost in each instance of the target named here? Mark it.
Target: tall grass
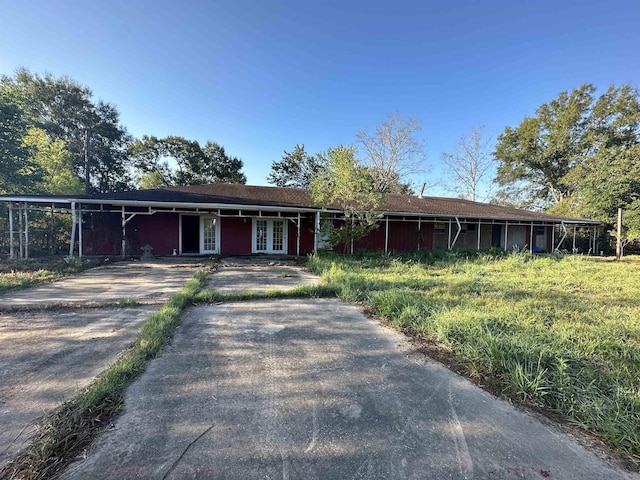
(76, 423)
(560, 332)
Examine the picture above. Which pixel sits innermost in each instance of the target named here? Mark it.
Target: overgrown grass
(71, 428)
(16, 274)
(303, 291)
(559, 332)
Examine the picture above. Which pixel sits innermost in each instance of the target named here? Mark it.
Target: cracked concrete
(49, 356)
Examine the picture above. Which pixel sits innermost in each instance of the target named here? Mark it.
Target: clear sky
(261, 76)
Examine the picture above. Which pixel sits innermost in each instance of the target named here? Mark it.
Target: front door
(269, 235)
(190, 233)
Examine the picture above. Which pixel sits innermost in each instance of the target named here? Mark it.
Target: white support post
(12, 252)
(479, 228)
(506, 234)
(386, 235)
(298, 236)
(449, 238)
(21, 232)
(26, 231)
(553, 238)
(531, 238)
(72, 245)
(575, 227)
(80, 231)
(316, 236)
(124, 233)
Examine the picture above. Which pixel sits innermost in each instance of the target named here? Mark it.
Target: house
(230, 219)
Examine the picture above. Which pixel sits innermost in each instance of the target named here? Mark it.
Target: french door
(269, 235)
(209, 235)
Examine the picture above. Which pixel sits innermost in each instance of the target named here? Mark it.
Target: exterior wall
(374, 242)
(102, 234)
(517, 237)
(159, 230)
(235, 236)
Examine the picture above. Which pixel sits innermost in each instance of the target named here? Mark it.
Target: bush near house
(562, 333)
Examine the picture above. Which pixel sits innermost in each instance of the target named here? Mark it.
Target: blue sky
(261, 76)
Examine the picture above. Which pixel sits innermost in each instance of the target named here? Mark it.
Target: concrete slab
(313, 389)
(259, 278)
(47, 358)
(145, 282)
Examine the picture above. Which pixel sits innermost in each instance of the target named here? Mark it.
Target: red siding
(426, 236)
(403, 236)
(235, 236)
(160, 230)
(103, 234)
(374, 242)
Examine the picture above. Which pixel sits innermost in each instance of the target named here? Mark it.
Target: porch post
(298, 237)
(386, 235)
(124, 233)
(449, 239)
(21, 232)
(26, 231)
(12, 253)
(553, 238)
(72, 245)
(506, 232)
(574, 238)
(531, 238)
(316, 236)
(479, 228)
(80, 231)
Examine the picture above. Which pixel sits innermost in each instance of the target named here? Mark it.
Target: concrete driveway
(49, 355)
(312, 389)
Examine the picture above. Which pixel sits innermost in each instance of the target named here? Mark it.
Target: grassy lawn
(562, 333)
(15, 274)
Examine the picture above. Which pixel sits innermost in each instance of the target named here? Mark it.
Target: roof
(224, 194)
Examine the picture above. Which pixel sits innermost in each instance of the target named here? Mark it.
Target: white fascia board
(142, 203)
(487, 217)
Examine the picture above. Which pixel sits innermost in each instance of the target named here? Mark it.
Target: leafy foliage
(295, 170)
(576, 150)
(18, 173)
(67, 112)
(346, 185)
(194, 165)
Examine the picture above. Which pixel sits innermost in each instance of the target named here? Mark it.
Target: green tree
(18, 173)
(55, 163)
(577, 155)
(343, 183)
(535, 157)
(66, 111)
(194, 165)
(295, 170)
(220, 167)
